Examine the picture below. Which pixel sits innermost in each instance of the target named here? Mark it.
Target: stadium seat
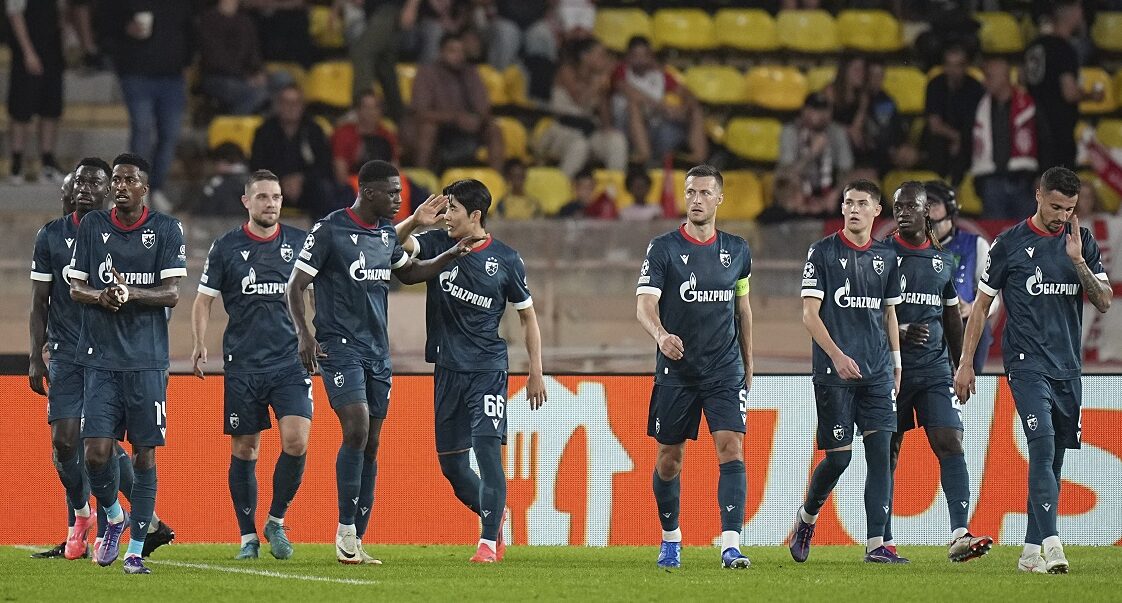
(326, 31)
(489, 177)
(514, 80)
(717, 85)
(238, 129)
(514, 138)
(615, 26)
(678, 184)
(406, 73)
(1089, 77)
(615, 183)
(495, 84)
(747, 29)
(894, 178)
(550, 186)
(754, 138)
(974, 72)
(425, 178)
(744, 196)
(325, 125)
(330, 84)
(1109, 133)
(1109, 199)
(1118, 85)
(776, 88)
(1107, 31)
(968, 200)
(908, 87)
(294, 71)
(684, 29)
(714, 129)
(1000, 33)
(869, 31)
(819, 77)
(809, 31)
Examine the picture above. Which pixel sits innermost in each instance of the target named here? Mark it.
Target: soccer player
(249, 268)
(1043, 266)
(850, 289)
(464, 305)
(930, 325)
(67, 193)
(350, 254)
(126, 270)
(703, 328)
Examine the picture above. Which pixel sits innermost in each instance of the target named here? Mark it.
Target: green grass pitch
(185, 573)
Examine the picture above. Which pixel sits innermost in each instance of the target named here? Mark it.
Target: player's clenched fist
(671, 346)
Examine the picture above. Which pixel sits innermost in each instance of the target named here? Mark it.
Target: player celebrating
(249, 267)
(703, 328)
(126, 270)
(350, 254)
(1043, 266)
(930, 325)
(851, 286)
(464, 306)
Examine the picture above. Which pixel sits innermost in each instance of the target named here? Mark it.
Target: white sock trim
(807, 517)
(491, 543)
(345, 529)
(874, 543)
(248, 538)
(1031, 550)
(959, 533)
(730, 540)
(1052, 542)
(276, 520)
(83, 512)
(674, 535)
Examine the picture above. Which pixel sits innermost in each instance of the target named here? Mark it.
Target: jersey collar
(1043, 233)
(117, 222)
(354, 216)
(485, 245)
(74, 217)
(686, 236)
(253, 237)
(925, 245)
(851, 244)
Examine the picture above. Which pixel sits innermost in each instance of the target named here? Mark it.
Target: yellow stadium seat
(908, 87)
(684, 29)
(1000, 33)
(294, 71)
(238, 129)
(717, 85)
(326, 31)
(1109, 199)
(678, 185)
(1089, 78)
(615, 26)
(869, 31)
(1107, 31)
(406, 73)
(714, 129)
(495, 84)
(425, 178)
(514, 80)
(974, 72)
(968, 200)
(615, 183)
(777, 88)
(489, 177)
(744, 196)
(325, 125)
(514, 138)
(810, 31)
(753, 138)
(331, 84)
(748, 29)
(818, 78)
(550, 186)
(893, 179)
(1118, 85)
(1109, 133)
(767, 180)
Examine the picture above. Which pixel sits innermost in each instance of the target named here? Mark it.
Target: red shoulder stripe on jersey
(358, 220)
(485, 244)
(74, 217)
(117, 222)
(1043, 233)
(253, 237)
(712, 239)
(851, 244)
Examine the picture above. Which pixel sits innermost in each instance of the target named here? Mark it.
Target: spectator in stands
(584, 187)
(81, 18)
(232, 71)
(814, 153)
(952, 99)
(848, 95)
(35, 82)
(582, 127)
(1052, 73)
(885, 141)
(221, 193)
(451, 113)
(517, 204)
(283, 27)
(658, 112)
(575, 18)
(519, 25)
(437, 18)
(362, 137)
(152, 43)
(294, 147)
(374, 52)
(638, 184)
(1004, 164)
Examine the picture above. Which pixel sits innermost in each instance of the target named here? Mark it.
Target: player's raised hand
(671, 346)
(535, 390)
(310, 353)
(1074, 241)
(428, 213)
(198, 354)
(915, 334)
(847, 367)
(466, 244)
(964, 382)
(37, 374)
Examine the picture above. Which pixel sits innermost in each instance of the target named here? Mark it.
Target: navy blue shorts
(468, 405)
(248, 397)
(1049, 407)
(928, 401)
(871, 407)
(353, 380)
(675, 410)
(120, 402)
(64, 396)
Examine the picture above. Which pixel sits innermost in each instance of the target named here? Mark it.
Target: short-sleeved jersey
(855, 284)
(697, 284)
(54, 248)
(927, 286)
(350, 263)
(251, 275)
(465, 303)
(1043, 298)
(136, 336)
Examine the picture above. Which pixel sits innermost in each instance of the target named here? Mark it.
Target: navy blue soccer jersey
(466, 301)
(855, 284)
(251, 274)
(350, 263)
(927, 286)
(697, 284)
(1043, 298)
(136, 336)
(54, 248)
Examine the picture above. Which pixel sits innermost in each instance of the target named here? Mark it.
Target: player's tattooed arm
(418, 271)
(164, 295)
(1098, 291)
(40, 303)
(964, 376)
(309, 349)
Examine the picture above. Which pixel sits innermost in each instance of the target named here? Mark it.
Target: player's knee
(729, 451)
(64, 447)
(97, 456)
(294, 445)
(838, 460)
(946, 444)
(669, 463)
(244, 448)
(144, 459)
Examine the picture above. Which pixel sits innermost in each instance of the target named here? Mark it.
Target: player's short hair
(376, 171)
(1061, 180)
(863, 185)
(707, 171)
(638, 41)
(260, 176)
(94, 162)
(134, 160)
(913, 189)
(473, 195)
